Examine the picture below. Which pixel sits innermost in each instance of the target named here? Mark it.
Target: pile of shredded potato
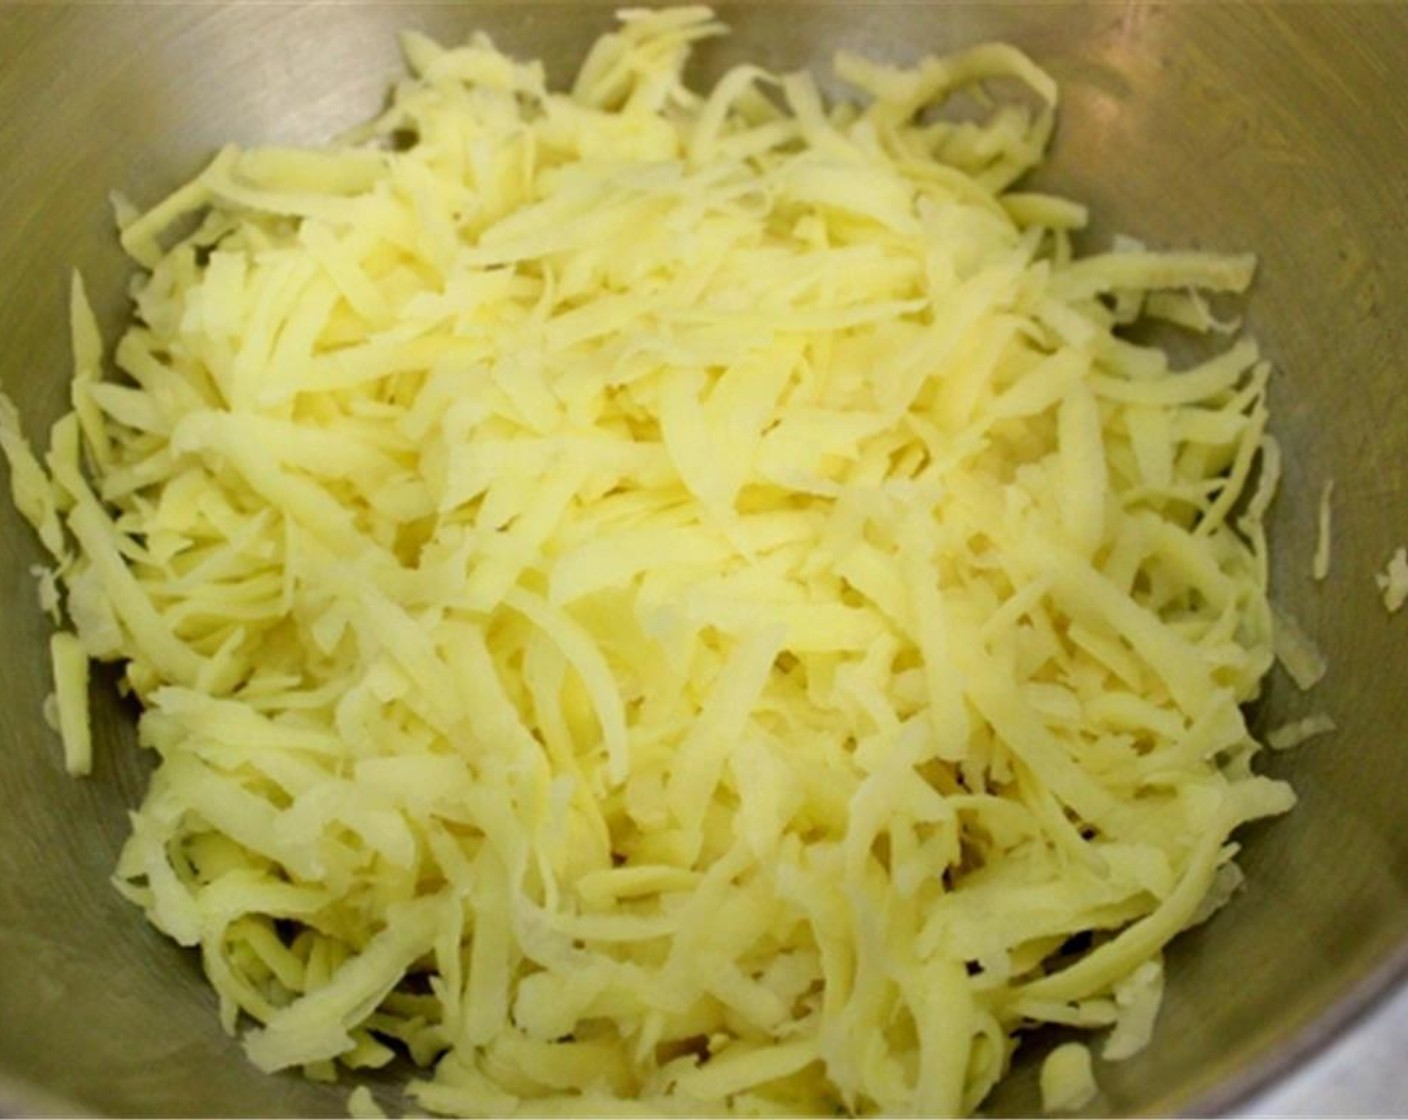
(667, 602)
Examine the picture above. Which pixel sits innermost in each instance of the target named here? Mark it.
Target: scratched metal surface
(1282, 129)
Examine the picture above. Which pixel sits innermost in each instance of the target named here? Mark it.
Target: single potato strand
(649, 600)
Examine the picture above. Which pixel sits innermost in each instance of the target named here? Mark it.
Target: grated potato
(1393, 581)
(668, 601)
(1324, 534)
(1067, 1081)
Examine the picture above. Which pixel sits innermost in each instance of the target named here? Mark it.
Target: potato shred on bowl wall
(673, 601)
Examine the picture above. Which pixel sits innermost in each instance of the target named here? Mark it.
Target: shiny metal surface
(1282, 129)
(1361, 1072)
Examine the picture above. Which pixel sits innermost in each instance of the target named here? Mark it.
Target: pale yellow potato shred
(662, 601)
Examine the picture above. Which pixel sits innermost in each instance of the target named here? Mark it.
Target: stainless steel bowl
(1281, 129)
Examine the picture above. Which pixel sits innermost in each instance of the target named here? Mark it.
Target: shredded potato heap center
(648, 599)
